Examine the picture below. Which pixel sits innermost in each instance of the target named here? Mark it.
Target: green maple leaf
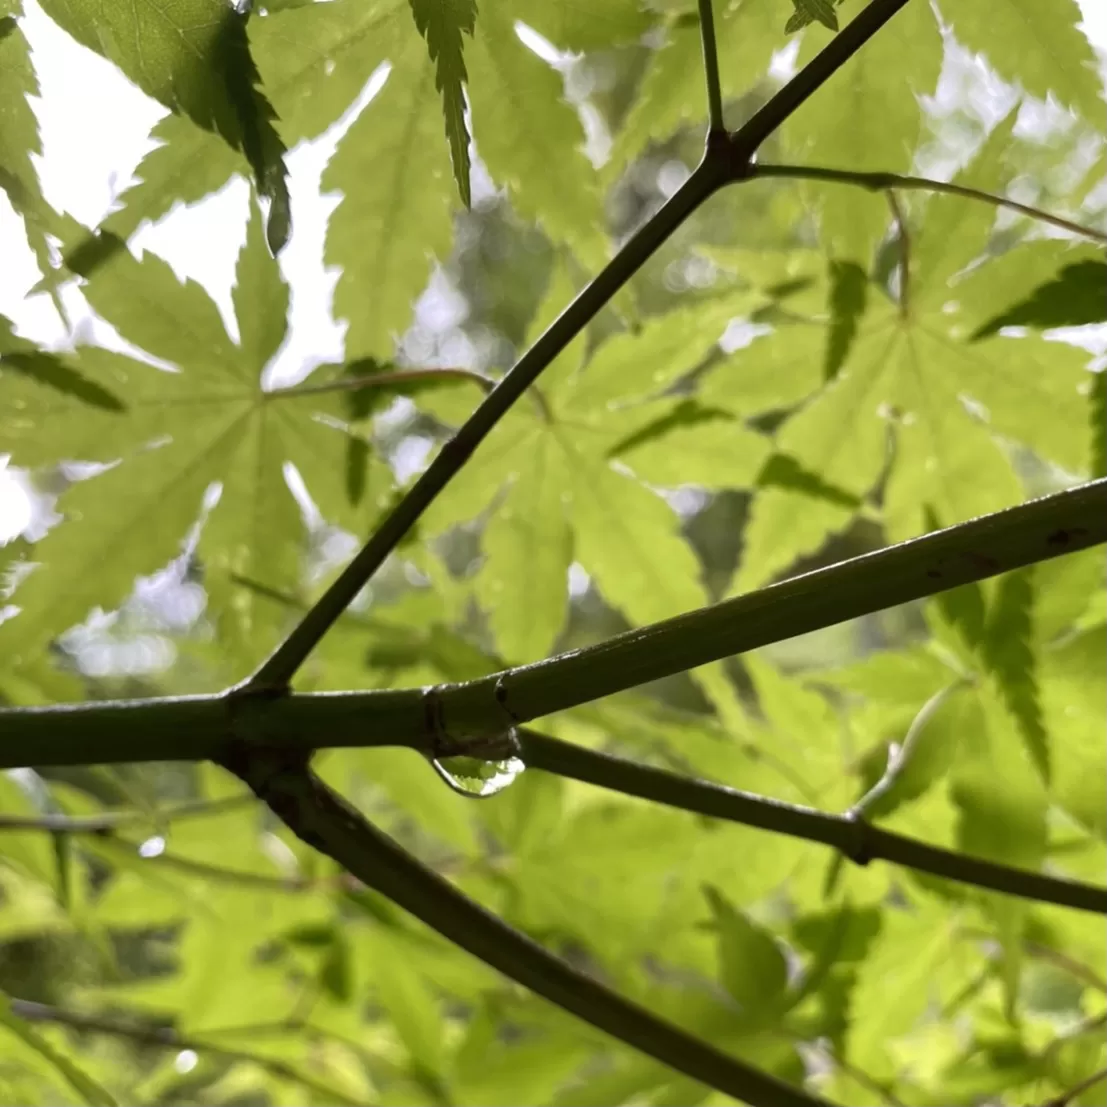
(19, 138)
(902, 388)
(442, 23)
(314, 61)
(395, 215)
(1037, 46)
(575, 26)
(570, 466)
(812, 11)
(166, 439)
(193, 57)
(519, 116)
(867, 117)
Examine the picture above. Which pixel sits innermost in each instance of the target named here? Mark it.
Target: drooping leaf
(848, 291)
(195, 59)
(442, 23)
(1008, 651)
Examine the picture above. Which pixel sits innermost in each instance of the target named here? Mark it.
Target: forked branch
(322, 819)
(723, 163)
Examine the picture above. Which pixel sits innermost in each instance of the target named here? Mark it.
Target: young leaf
(751, 965)
(394, 217)
(442, 23)
(808, 11)
(19, 137)
(193, 57)
(1008, 652)
(848, 290)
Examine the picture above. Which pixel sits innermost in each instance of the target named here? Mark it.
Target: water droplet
(476, 778)
(186, 1060)
(152, 847)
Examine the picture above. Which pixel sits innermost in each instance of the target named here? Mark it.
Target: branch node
(858, 848)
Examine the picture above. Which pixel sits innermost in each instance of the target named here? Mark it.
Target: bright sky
(94, 126)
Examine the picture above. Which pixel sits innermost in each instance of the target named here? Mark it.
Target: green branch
(724, 162)
(164, 1037)
(850, 835)
(880, 182)
(323, 820)
(195, 727)
(107, 822)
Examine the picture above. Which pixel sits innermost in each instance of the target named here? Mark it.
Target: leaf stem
(904, 252)
(711, 68)
(380, 380)
(880, 182)
(327, 823)
(278, 670)
(850, 835)
(165, 1037)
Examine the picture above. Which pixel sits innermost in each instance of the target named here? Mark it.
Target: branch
(856, 839)
(379, 380)
(711, 68)
(880, 182)
(723, 162)
(197, 727)
(107, 822)
(165, 1037)
(1066, 1097)
(814, 75)
(279, 669)
(322, 819)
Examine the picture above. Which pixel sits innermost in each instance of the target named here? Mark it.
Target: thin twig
(880, 182)
(381, 380)
(323, 820)
(164, 1037)
(711, 68)
(106, 822)
(857, 840)
(1066, 1097)
(904, 252)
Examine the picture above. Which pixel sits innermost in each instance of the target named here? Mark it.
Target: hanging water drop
(476, 778)
(152, 847)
